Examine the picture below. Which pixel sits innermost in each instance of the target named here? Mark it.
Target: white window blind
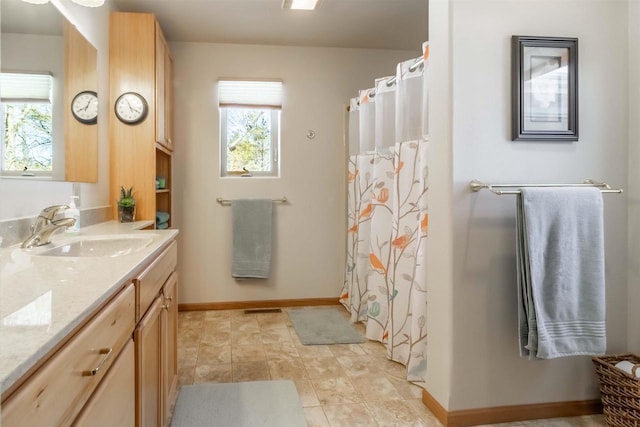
(25, 87)
(265, 94)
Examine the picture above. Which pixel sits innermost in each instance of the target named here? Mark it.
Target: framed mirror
(41, 138)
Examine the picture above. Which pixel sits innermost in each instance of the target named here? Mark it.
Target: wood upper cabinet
(140, 61)
(164, 91)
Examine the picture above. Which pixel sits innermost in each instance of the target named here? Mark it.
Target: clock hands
(133, 110)
(87, 106)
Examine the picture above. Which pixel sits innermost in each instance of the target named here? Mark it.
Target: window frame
(275, 143)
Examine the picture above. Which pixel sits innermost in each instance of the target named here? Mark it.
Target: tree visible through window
(26, 124)
(249, 139)
(27, 141)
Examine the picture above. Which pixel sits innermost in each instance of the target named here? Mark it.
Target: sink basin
(99, 246)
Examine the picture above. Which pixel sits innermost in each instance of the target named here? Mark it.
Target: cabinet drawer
(148, 284)
(114, 402)
(54, 395)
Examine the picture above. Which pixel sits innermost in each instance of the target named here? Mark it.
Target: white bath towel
(561, 290)
(252, 231)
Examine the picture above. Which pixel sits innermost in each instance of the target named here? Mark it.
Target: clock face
(131, 108)
(84, 107)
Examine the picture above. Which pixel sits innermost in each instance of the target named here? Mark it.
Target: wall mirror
(49, 72)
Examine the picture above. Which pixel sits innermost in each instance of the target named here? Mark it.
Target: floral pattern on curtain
(385, 276)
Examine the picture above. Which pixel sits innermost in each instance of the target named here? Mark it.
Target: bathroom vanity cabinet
(118, 367)
(140, 61)
(156, 340)
(57, 392)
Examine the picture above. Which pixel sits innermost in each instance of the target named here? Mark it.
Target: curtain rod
(476, 186)
(222, 201)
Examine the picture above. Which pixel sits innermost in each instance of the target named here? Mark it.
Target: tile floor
(339, 385)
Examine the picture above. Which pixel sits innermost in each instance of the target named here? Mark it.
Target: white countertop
(43, 298)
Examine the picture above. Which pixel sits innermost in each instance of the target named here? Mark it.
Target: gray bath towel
(560, 263)
(252, 231)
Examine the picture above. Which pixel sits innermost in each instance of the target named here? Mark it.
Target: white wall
(440, 242)
(486, 370)
(633, 193)
(25, 198)
(310, 230)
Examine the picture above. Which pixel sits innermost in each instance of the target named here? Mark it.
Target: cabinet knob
(107, 352)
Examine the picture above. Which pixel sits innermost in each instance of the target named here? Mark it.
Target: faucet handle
(51, 211)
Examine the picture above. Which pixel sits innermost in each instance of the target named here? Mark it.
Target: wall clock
(84, 107)
(131, 108)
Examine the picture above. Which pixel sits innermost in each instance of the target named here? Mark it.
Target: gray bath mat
(246, 404)
(323, 326)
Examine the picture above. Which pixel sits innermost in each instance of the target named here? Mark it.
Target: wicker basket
(620, 390)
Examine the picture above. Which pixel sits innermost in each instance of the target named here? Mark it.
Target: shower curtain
(385, 276)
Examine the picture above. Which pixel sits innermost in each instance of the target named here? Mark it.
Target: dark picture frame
(544, 80)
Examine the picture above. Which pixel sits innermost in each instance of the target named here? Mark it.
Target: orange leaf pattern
(366, 211)
(424, 223)
(387, 221)
(401, 242)
(376, 263)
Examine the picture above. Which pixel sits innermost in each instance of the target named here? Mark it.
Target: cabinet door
(168, 98)
(164, 91)
(148, 341)
(160, 78)
(170, 344)
(113, 403)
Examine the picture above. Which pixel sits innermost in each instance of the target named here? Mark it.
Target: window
(26, 127)
(249, 127)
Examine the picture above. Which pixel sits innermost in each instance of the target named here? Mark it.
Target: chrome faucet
(46, 225)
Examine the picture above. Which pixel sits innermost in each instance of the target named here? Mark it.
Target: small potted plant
(126, 205)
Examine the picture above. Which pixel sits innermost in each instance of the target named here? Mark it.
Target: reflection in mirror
(81, 86)
(40, 138)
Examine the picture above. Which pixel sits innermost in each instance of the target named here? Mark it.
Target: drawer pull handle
(107, 352)
(167, 306)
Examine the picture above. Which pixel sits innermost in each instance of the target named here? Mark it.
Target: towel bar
(476, 186)
(222, 201)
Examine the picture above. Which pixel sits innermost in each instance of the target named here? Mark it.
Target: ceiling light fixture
(89, 3)
(300, 4)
